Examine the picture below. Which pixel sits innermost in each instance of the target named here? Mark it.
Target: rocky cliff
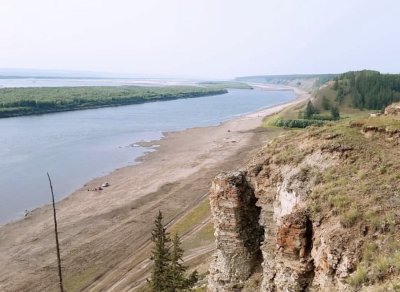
(298, 216)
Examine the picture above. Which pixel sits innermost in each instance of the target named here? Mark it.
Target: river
(77, 146)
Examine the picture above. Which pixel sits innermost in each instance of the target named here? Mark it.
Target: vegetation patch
(297, 123)
(349, 218)
(226, 85)
(200, 213)
(359, 277)
(39, 100)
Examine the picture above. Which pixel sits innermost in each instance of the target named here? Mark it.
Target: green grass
(192, 218)
(86, 277)
(359, 277)
(350, 217)
(39, 100)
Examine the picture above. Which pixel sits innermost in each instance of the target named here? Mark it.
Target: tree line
(37, 100)
(368, 89)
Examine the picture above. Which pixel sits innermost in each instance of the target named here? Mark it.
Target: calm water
(75, 147)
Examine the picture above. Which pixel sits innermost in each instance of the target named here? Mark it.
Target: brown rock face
(293, 237)
(238, 234)
(293, 263)
(263, 228)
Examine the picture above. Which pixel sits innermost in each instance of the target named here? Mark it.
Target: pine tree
(335, 113)
(310, 110)
(168, 274)
(325, 103)
(336, 84)
(177, 269)
(160, 275)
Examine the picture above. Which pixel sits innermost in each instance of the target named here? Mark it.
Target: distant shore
(27, 101)
(100, 228)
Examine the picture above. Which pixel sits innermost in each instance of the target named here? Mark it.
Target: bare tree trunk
(56, 234)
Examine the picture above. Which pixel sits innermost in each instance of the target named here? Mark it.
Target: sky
(201, 38)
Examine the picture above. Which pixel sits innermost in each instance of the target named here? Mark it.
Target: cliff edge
(316, 210)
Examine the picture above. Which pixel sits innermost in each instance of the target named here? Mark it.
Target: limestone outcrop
(237, 231)
(263, 222)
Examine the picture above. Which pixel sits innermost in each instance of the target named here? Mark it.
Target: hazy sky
(201, 38)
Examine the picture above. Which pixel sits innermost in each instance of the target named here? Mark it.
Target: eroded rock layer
(266, 208)
(238, 233)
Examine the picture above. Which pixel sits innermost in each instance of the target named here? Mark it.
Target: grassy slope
(361, 193)
(28, 101)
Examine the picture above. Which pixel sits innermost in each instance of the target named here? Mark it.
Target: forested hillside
(368, 89)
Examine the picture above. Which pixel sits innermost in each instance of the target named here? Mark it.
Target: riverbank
(99, 229)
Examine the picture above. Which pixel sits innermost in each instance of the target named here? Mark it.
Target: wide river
(77, 146)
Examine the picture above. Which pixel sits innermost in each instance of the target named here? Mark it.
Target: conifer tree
(310, 110)
(177, 269)
(168, 274)
(160, 276)
(325, 103)
(336, 84)
(335, 113)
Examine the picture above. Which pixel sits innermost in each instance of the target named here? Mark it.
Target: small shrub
(381, 267)
(359, 277)
(349, 218)
(390, 223)
(315, 208)
(383, 169)
(303, 173)
(369, 251)
(339, 202)
(395, 261)
(374, 221)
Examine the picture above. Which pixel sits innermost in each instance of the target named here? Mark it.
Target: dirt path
(99, 231)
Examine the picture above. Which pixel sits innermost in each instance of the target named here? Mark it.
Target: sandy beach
(99, 229)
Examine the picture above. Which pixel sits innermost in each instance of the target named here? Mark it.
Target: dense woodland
(38, 100)
(368, 89)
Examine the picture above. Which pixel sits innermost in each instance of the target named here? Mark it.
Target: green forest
(368, 89)
(38, 100)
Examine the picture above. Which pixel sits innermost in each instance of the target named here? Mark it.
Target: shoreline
(152, 146)
(97, 227)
